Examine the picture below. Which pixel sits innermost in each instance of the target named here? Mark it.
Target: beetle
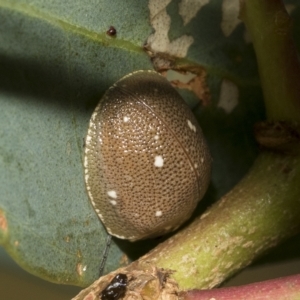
(111, 31)
(146, 162)
(116, 289)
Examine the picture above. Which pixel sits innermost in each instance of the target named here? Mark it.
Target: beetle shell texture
(146, 162)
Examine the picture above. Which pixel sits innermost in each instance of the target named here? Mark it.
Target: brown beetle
(146, 163)
(111, 31)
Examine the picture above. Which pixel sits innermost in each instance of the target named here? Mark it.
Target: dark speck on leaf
(111, 31)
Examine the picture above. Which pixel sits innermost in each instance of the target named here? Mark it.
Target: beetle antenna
(105, 254)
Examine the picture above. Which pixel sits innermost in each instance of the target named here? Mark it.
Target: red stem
(277, 289)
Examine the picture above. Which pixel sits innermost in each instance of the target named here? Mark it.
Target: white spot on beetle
(202, 160)
(97, 210)
(122, 237)
(156, 137)
(91, 196)
(113, 202)
(159, 161)
(112, 194)
(85, 162)
(229, 96)
(192, 127)
(196, 166)
(158, 213)
(125, 119)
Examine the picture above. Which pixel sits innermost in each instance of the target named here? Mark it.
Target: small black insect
(111, 31)
(116, 289)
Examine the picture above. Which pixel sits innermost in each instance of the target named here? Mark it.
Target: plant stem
(270, 28)
(276, 289)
